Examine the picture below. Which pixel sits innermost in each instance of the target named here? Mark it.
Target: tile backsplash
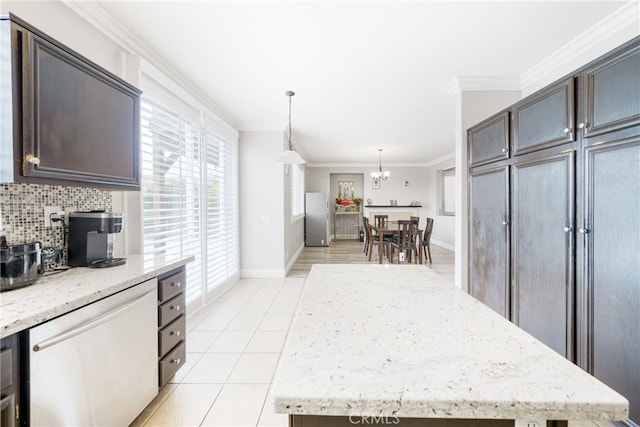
(22, 212)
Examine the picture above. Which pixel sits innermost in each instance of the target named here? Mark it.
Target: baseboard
(262, 273)
(443, 244)
(293, 259)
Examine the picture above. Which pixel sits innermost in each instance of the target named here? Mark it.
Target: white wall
(293, 228)
(262, 203)
(443, 226)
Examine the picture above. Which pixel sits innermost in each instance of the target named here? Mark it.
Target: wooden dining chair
(381, 221)
(426, 240)
(367, 234)
(405, 240)
(376, 240)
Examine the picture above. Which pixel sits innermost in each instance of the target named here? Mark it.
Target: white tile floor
(233, 346)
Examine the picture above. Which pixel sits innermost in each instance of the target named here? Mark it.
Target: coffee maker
(88, 238)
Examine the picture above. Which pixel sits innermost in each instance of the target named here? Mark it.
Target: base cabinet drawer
(170, 310)
(170, 364)
(172, 285)
(171, 335)
(172, 327)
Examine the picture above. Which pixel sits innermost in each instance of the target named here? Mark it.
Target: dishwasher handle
(84, 327)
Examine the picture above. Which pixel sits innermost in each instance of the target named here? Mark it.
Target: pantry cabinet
(489, 140)
(611, 239)
(569, 193)
(542, 249)
(489, 238)
(545, 119)
(610, 94)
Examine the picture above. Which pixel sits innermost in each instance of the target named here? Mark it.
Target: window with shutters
(189, 195)
(297, 191)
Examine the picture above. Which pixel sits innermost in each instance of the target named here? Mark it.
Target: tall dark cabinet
(554, 242)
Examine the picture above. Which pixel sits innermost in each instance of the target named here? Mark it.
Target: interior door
(489, 238)
(542, 249)
(613, 265)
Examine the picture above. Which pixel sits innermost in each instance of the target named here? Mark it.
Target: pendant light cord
(290, 94)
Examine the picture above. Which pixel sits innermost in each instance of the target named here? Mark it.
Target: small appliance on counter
(88, 238)
(20, 265)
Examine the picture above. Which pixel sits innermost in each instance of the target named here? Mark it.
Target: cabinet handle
(567, 229)
(504, 151)
(176, 284)
(583, 231)
(176, 333)
(567, 130)
(30, 158)
(505, 222)
(175, 307)
(583, 125)
(175, 361)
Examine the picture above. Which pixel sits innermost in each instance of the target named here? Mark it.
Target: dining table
(390, 229)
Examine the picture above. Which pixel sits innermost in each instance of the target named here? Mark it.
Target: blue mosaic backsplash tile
(22, 209)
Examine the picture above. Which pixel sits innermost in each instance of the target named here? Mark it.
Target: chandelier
(380, 174)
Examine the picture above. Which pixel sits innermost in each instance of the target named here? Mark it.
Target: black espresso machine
(88, 238)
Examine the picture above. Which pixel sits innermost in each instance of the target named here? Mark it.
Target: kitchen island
(398, 345)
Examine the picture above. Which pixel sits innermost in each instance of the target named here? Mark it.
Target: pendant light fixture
(380, 174)
(290, 156)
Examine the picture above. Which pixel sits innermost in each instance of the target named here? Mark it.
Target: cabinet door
(489, 140)
(544, 120)
(612, 94)
(613, 265)
(489, 239)
(542, 249)
(81, 125)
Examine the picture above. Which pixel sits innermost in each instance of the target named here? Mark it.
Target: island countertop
(389, 340)
(56, 294)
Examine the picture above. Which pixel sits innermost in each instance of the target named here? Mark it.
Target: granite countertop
(60, 293)
(397, 340)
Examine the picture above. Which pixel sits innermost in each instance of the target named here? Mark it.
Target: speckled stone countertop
(60, 293)
(396, 340)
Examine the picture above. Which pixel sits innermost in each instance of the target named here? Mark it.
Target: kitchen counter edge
(58, 294)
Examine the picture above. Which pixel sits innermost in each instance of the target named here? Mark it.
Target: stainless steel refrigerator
(316, 220)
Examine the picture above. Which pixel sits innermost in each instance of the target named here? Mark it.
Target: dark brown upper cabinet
(489, 140)
(611, 100)
(70, 121)
(545, 119)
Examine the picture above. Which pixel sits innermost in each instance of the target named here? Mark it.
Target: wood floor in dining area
(351, 252)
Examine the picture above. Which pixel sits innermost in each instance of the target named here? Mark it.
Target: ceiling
(366, 74)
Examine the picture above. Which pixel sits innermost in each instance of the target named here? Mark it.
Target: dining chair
(426, 240)
(381, 221)
(405, 240)
(377, 240)
(367, 234)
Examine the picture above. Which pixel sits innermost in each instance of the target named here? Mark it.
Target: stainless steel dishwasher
(97, 365)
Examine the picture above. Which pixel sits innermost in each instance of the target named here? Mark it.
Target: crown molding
(449, 156)
(103, 22)
(481, 83)
(615, 23)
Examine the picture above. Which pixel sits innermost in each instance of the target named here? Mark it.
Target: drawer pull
(175, 333)
(176, 284)
(175, 307)
(175, 361)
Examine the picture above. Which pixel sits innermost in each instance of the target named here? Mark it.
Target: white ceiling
(367, 75)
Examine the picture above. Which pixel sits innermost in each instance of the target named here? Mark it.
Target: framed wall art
(375, 183)
(346, 190)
